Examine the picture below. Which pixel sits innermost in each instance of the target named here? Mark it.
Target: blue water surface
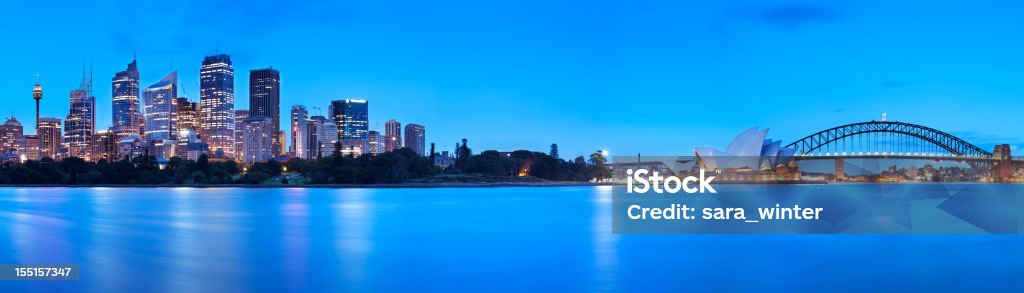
(448, 239)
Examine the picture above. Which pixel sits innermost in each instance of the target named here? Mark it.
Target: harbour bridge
(900, 140)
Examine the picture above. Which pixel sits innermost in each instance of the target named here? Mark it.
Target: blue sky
(656, 78)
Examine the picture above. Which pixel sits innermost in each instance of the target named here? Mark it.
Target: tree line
(403, 165)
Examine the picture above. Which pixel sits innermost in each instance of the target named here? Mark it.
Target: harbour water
(448, 239)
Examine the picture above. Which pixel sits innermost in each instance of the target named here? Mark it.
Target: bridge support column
(839, 169)
(1002, 170)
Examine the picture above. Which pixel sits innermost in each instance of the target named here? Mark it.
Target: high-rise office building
(415, 138)
(313, 127)
(257, 139)
(240, 116)
(50, 138)
(265, 99)
(104, 146)
(375, 142)
(188, 115)
(392, 135)
(125, 102)
(217, 105)
(32, 150)
(160, 100)
(80, 123)
(326, 133)
(11, 136)
(298, 123)
(352, 119)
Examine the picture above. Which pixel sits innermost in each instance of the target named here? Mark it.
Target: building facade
(125, 107)
(265, 99)
(352, 119)
(217, 105)
(299, 118)
(50, 140)
(392, 135)
(240, 116)
(160, 100)
(32, 149)
(190, 146)
(131, 147)
(323, 136)
(80, 123)
(257, 139)
(415, 138)
(12, 135)
(375, 142)
(104, 146)
(188, 115)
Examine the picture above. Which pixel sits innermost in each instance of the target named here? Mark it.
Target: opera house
(750, 156)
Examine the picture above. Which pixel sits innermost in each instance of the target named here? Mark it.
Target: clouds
(784, 15)
(797, 14)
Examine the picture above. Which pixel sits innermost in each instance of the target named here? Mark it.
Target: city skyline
(565, 73)
(176, 126)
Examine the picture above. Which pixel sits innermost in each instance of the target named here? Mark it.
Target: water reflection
(354, 219)
(444, 239)
(295, 240)
(605, 243)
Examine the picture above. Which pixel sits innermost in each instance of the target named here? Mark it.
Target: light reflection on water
(446, 239)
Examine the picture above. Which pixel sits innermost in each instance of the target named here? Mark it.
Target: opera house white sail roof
(749, 149)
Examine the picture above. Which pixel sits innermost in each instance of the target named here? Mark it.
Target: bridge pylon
(1002, 168)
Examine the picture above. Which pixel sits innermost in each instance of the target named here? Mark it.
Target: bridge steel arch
(950, 143)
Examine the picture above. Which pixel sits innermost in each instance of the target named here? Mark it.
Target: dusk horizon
(582, 77)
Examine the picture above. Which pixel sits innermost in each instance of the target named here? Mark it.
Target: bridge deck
(906, 157)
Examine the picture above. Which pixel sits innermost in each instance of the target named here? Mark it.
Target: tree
(554, 151)
(203, 164)
(462, 155)
(432, 153)
(599, 171)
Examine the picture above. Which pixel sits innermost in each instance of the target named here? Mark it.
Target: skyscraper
(49, 138)
(31, 147)
(351, 117)
(375, 142)
(161, 115)
(326, 134)
(265, 99)
(415, 138)
(217, 104)
(125, 102)
(104, 146)
(240, 116)
(11, 136)
(313, 127)
(298, 128)
(257, 139)
(80, 123)
(188, 115)
(392, 135)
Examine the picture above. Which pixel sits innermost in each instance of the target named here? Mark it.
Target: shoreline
(378, 185)
(445, 184)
